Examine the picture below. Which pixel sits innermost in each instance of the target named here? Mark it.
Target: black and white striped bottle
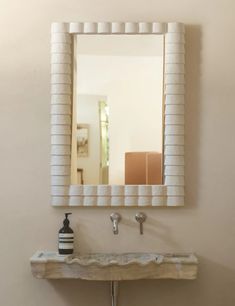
(66, 238)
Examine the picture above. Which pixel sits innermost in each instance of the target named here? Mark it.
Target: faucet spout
(115, 227)
(115, 218)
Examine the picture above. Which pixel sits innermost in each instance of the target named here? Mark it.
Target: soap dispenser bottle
(66, 237)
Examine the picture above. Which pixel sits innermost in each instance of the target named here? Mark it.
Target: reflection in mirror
(117, 135)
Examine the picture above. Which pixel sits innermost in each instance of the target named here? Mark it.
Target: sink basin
(114, 267)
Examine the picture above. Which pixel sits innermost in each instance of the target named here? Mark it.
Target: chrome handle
(140, 217)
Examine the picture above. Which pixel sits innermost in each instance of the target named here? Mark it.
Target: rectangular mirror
(118, 99)
(117, 114)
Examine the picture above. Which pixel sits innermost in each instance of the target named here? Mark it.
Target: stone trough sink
(114, 267)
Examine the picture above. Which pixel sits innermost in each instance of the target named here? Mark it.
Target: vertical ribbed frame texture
(169, 194)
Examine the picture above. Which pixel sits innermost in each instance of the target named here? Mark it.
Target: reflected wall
(119, 81)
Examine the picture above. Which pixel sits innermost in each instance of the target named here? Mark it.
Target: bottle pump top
(66, 220)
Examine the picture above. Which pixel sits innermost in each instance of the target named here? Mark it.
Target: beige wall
(206, 224)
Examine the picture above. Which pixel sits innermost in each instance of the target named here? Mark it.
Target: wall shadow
(203, 291)
(81, 292)
(193, 47)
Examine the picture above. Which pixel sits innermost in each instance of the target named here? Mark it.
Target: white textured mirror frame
(171, 193)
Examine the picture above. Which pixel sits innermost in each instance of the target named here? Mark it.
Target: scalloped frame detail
(171, 193)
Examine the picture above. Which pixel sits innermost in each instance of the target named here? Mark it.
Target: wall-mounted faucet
(115, 218)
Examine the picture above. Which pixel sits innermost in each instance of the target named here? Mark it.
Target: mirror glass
(117, 131)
